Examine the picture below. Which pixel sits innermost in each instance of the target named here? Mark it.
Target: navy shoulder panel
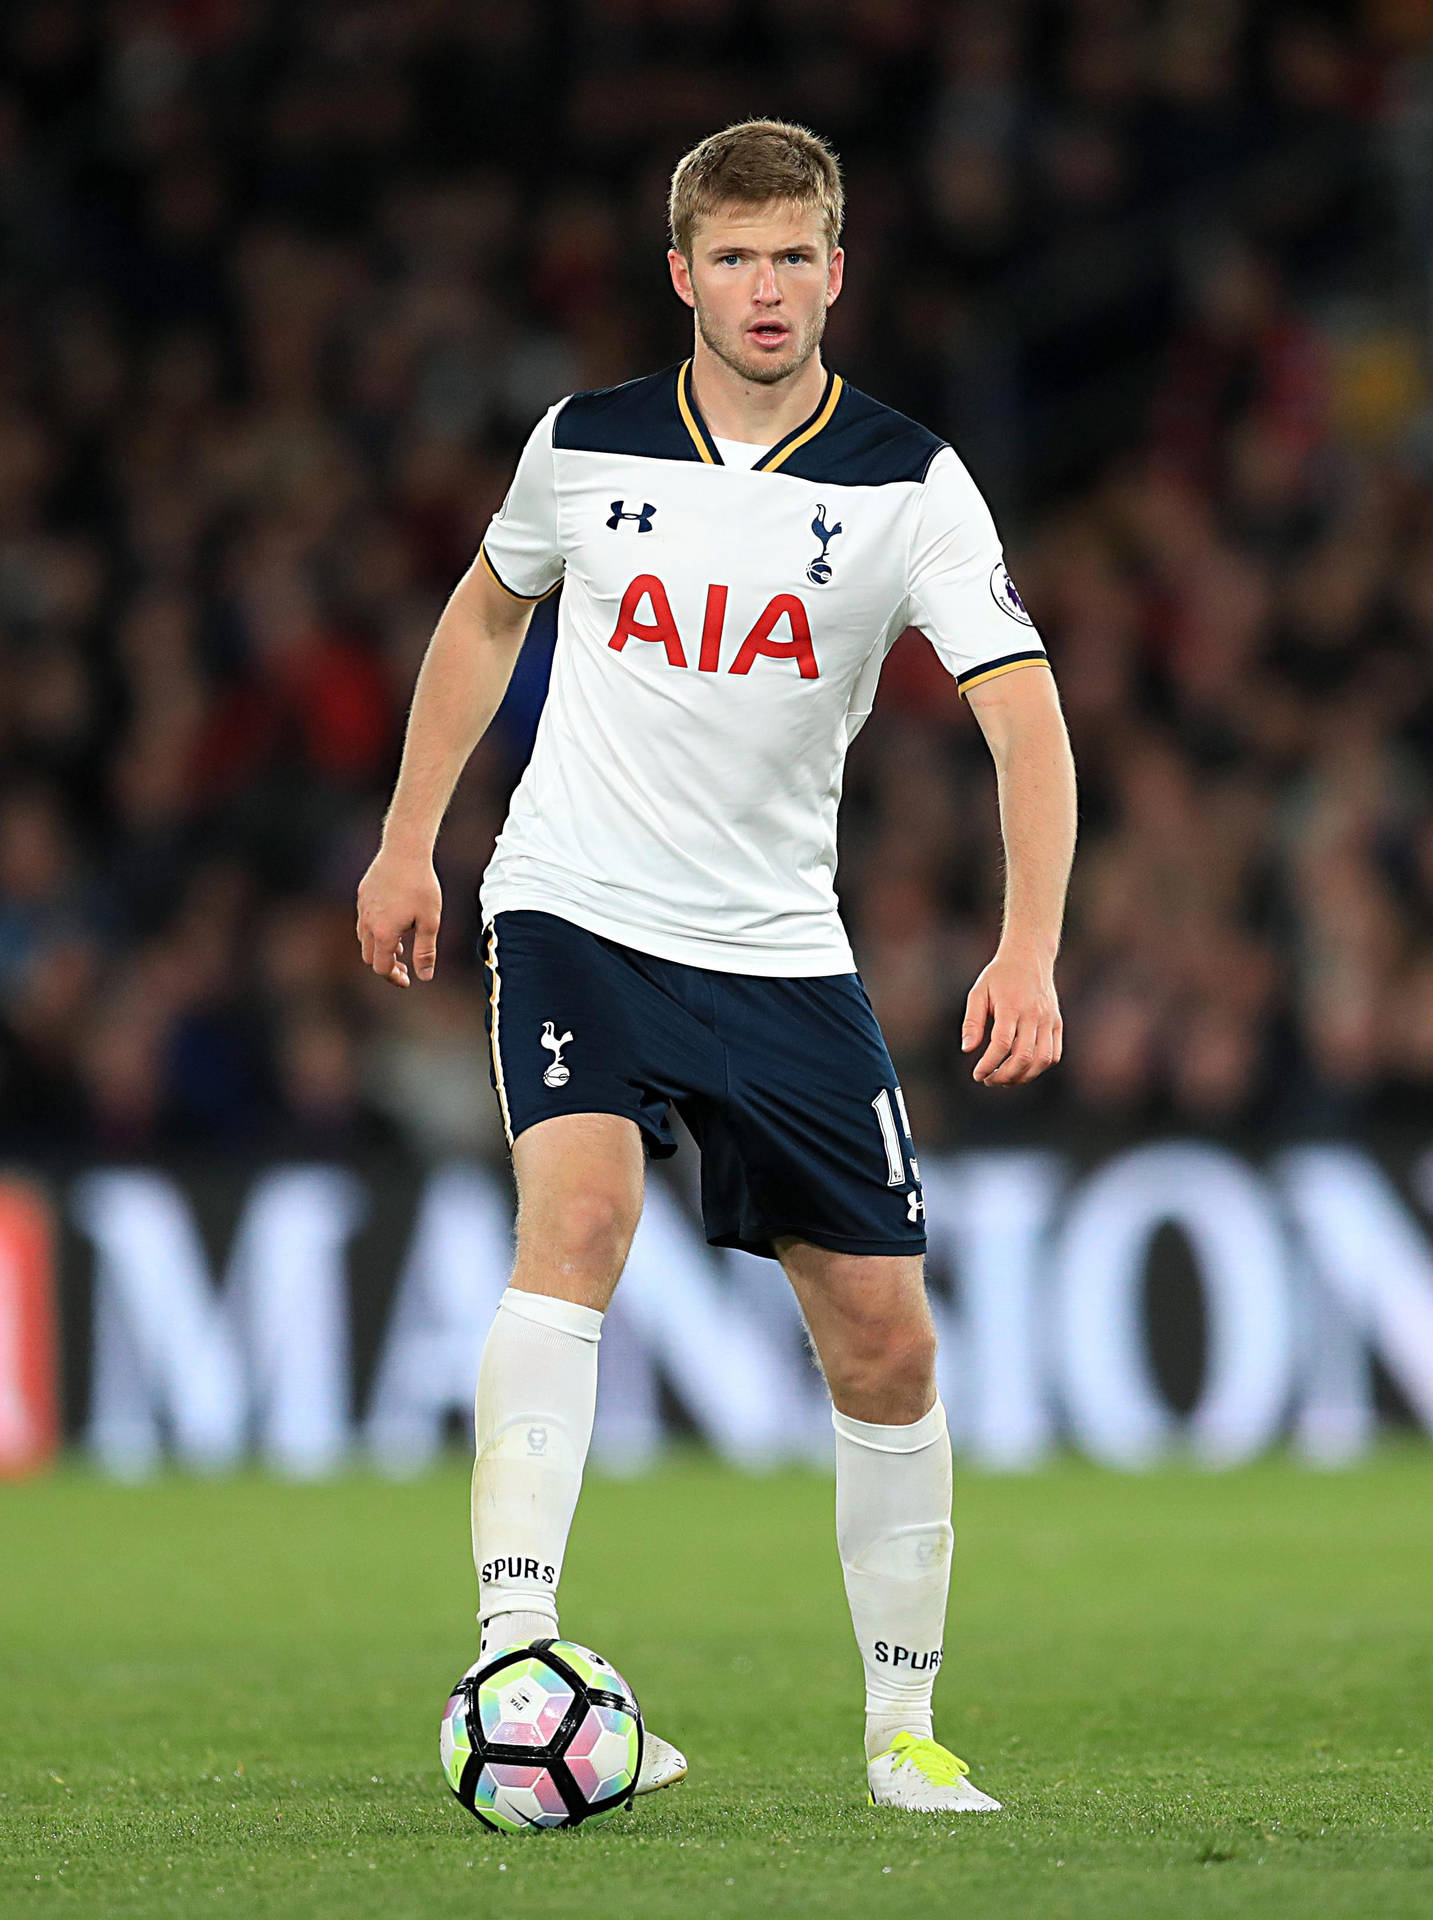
(865, 444)
(640, 417)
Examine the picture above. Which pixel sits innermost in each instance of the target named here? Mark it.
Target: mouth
(769, 334)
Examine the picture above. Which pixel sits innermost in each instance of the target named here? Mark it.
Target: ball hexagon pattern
(523, 1705)
(516, 1797)
(544, 1735)
(591, 1668)
(603, 1754)
(454, 1746)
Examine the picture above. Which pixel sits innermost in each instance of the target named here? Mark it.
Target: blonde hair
(749, 165)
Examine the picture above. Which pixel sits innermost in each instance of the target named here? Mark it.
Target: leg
(870, 1323)
(580, 1196)
(579, 1182)
(871, 1326)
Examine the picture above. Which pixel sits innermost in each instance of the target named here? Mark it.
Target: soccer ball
(546, 1735)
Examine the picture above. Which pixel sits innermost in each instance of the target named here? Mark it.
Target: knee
(885, 1371)
(586, 1229)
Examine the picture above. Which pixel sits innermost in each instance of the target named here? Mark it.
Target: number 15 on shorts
(902, 1167)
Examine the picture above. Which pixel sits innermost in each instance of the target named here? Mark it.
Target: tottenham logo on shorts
(557, 1075)
(819, 570)
(1002, 591)
(642, 517)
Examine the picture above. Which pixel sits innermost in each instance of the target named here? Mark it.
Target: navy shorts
(786, 1085)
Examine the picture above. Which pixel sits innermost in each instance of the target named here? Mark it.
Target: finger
(1045, 1058)
(425, 947)
(1042, 1053)
(383, 952)
(1001, 1041)
(1017, 1064)
(398, 971)
(977, 1008)
(1059, 1042)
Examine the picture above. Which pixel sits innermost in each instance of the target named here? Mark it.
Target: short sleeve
(960, 595)
(520, 548)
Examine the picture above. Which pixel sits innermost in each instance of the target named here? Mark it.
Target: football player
(739, 540)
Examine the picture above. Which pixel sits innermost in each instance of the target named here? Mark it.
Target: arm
(1019, 714)
(460, 686)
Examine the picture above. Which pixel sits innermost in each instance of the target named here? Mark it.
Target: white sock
(893, 1532)
(532, 1418)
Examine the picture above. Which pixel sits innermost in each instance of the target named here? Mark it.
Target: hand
(1017, 993)
(399, 891)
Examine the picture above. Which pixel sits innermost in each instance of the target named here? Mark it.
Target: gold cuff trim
(528, 599)
(994, 673)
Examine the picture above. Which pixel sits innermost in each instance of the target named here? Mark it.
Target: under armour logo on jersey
(915, 1207)
(819, 571)
(643, 518)
(557, 1075)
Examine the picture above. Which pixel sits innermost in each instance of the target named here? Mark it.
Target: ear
(681, 276)
(835, 275)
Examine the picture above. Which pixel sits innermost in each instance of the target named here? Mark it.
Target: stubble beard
(763, 373)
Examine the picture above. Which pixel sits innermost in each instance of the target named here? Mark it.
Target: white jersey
(719, 637)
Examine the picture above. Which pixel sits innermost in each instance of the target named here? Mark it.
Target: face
(760, 280)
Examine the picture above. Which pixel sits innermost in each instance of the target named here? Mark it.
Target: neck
(738, 409)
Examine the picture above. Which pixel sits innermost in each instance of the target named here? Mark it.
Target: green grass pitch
(1197, 1694)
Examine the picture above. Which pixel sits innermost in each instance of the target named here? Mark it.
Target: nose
(768, 293)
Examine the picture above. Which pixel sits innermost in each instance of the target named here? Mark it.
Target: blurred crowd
(282, 290)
